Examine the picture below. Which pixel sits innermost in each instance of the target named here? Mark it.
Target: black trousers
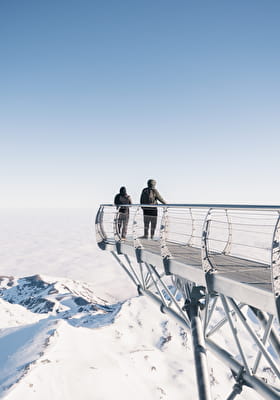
(122, 224)
(150, 219)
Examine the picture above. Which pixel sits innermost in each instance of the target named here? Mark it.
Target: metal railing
(246, 232)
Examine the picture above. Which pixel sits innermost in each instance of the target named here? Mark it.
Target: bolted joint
(162, 308)
(198, 294)
(139, 290)
(196, 301)
(237, 388)
(186, 306)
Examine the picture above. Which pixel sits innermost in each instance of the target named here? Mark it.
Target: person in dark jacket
(120, 200)
(150, 195)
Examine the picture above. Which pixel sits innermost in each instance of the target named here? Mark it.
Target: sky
(97, 94)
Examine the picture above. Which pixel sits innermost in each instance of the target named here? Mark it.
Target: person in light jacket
(150, 195)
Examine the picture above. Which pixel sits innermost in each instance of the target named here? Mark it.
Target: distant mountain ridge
(66, 299)
(33, 311)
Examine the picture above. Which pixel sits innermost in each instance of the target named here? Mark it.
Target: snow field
(81, 353)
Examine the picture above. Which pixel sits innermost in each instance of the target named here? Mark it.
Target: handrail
(213, 206)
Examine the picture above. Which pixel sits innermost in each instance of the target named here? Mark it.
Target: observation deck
(230, 249)
(209, 266)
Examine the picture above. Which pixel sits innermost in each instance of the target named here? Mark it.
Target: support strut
(193, 307)
(238, 387)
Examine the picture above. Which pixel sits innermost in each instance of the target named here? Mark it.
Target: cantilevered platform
(210, 266)
(239, 276)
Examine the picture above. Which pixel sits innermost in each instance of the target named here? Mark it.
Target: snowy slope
(69, 352)
(134, 351)
(64, 336)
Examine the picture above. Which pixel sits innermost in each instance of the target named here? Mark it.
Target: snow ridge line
(22, 344)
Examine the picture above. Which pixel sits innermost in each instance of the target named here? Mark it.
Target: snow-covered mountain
(64, 299)
(91, 339)
(58, 339)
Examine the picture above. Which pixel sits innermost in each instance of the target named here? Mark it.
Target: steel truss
(208, 313)
(199, 313)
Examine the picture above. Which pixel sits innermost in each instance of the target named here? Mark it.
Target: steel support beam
(266, 391)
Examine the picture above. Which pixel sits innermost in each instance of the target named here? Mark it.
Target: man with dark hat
(150, 195)
(123, 212)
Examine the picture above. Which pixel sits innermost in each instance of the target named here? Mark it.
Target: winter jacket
(121, 199)
(151, 195)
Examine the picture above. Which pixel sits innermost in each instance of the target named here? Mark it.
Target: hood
(123, 191)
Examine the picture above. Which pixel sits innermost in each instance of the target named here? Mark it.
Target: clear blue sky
(99, 94)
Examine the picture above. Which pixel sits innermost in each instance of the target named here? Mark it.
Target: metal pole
(265, 336)
(237, 389)
(235, 334)
(273, 337)
(202, 375)
(258, 384)
(258, 342)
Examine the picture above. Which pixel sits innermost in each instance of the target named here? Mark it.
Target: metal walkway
(204, 258)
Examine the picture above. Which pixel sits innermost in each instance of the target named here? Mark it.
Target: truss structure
(219, 322)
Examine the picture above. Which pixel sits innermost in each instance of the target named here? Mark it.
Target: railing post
(206, 263)
(99, 229)
(228, 243)
(115, 226)
(165, 253)
(136, 241)
(275, 265)
(190, 242)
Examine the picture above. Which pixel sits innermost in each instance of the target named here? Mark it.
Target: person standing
(150, 195)
(120, 200)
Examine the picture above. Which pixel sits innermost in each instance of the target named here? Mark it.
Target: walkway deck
(245, 280)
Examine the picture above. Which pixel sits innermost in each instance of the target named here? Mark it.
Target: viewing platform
(208, 266)
(230, 249)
